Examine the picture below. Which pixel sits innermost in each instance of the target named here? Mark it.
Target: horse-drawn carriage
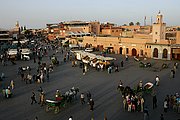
(139, 91)
(55, 105)
(62, 101)
(148, 87)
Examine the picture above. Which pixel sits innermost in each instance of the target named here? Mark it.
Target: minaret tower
(159, 29)
(17, 24)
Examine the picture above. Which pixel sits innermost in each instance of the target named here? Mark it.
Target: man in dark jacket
(154, 101)
(33, 98)
(91, 103)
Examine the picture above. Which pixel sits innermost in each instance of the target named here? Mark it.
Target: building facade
(146, 41)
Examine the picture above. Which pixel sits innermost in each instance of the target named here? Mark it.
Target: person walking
(40, 90)
(33, 98)
(172, 74)
(82, 98)
(12, 84)
(117, 68)
(124, 104)
(105, 116)
(157, 80)
(42, 99)
(146, 113)
(161, 117)
(70, 118)
(40, 93)
(154, 101)
(126, 57)
(8, 92)
(122, 63)
(142, 104)
(41, 78)
(91, 103)
(88, 96)
(165, 105)
(36, 118)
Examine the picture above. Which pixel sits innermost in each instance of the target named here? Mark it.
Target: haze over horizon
(38, 13)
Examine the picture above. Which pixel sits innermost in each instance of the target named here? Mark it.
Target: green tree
(138, 23)
(178, 29)
(131, 24)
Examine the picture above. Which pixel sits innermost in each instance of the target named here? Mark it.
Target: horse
(71, 94)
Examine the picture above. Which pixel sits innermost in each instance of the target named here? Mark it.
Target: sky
(38, 13)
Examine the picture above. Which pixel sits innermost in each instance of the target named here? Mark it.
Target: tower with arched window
(159, 29)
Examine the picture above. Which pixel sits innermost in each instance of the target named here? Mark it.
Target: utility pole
(145, 21)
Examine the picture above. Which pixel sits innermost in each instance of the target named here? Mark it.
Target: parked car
(88, 50)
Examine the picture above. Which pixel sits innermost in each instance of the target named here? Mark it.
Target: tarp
(12, 52)
(25, 51)
(82, 54)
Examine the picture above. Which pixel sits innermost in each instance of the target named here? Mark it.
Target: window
(156, 33)
(141, 52)
(127, 51)
(145, 53)
(116, 30)
(156, 41)
(112, 30)
(147, 46)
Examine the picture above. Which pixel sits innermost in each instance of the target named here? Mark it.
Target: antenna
(145, 21)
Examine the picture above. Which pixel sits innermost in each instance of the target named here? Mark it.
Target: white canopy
(92, 56)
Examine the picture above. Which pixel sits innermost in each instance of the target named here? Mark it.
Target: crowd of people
(172, 102)
(133, 101)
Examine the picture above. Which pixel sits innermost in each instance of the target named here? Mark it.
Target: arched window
(155, 53)
(134, 52)
(120, 50)
(165, 52)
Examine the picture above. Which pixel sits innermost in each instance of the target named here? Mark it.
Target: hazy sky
(36, 13)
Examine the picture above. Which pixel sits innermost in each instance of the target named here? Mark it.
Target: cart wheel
(56, 110)
(47, 108)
